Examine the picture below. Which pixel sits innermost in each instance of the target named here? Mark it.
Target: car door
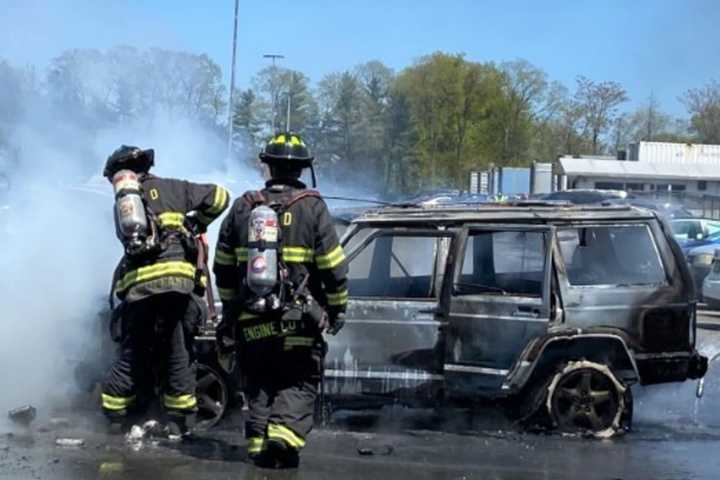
(622, 275)
(389, 345)
(499, 301)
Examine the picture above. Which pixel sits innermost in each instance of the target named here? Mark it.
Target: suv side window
(611, 255)
(394, 266)
(503, 262)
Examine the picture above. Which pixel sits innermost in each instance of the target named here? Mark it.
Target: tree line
(424, 127)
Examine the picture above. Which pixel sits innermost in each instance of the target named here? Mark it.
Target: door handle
(430, 311)
(529, 312)
(435, 312)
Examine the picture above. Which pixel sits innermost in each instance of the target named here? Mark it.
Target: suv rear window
(610, 255)
(503, 262)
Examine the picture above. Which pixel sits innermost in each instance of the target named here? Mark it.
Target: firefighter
(159, 284)
(279, 336)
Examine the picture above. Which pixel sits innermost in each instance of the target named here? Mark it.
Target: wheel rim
(212, 397)
(585, 399)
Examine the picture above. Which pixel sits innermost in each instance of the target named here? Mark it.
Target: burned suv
(559, 309)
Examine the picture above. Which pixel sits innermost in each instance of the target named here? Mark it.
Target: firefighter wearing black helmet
(158, 283)
(279, 337)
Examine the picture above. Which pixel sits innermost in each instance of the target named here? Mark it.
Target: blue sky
(660, 46)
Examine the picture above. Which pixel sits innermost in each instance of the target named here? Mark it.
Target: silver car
(700, 260)
(711, 285)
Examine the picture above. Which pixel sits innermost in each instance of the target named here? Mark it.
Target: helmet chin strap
(312, 173)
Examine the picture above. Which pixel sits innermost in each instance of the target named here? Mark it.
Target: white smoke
(57, 236)
(59, 242)
(59, 245)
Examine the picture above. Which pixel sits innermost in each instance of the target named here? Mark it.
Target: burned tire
(212, 397)
(586, 397)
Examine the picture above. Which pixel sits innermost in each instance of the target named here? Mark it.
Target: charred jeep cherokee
(557, 308)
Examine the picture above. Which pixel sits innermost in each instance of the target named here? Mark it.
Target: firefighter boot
(180, 424)
(279, 455)
(255, 448)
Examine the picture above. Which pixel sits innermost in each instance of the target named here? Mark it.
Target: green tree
(273, 87)
(524, 87)
(401, 171)
(341, 100)
(596, 104)
(376, 80)
(247, 119)
(303, 107)
(703, 105)
(452, 102)
(125, 82)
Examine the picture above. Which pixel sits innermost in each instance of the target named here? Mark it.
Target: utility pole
(287, 125)
(232, 83)
(274, 93)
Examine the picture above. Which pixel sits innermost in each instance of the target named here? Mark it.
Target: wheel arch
(542, 357)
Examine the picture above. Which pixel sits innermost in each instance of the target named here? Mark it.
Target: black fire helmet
(128, 157)
(287, 149)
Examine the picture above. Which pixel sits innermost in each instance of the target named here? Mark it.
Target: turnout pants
(282, 381)
(157, 347)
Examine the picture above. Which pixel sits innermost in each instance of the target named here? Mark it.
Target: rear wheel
(586, 397)
(212, 397)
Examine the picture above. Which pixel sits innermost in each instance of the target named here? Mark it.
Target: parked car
(695, 232)
(555, 309)
(711, 285)
(665, 209)
(583, 196)
(700, 260)
(618, 197)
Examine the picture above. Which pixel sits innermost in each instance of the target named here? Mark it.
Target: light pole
(232, 83)
(287, 125)
(274, 93)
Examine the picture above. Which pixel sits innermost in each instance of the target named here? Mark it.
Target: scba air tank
(130, 215)
(262, 267)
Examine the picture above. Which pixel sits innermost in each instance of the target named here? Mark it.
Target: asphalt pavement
(675, 436)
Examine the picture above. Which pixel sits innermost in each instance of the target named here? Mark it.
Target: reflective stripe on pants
(113, 403)
(281, 432)
(180, 402)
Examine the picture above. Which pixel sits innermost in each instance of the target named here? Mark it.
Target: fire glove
(225, 337)
(226, 345)
(337, 322)
(317, 313)
(195, 226)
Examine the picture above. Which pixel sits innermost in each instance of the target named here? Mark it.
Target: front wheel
(587, 398)
(212, 396)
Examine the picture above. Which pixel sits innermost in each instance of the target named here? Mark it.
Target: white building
(650, 166)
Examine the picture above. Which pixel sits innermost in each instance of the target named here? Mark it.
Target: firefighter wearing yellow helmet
(282, 276)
